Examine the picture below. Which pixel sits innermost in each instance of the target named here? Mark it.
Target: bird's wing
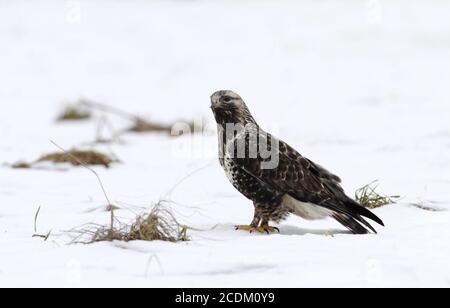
(321, 171)
(294, 175)
(305, 181)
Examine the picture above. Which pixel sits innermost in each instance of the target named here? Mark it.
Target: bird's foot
(262, 229)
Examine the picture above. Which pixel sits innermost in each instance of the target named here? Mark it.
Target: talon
(268, 229)
(262, 229)
(246, 228)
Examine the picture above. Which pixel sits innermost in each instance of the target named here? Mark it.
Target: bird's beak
(215, 104)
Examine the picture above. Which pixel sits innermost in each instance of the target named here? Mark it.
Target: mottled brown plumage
(293, 185)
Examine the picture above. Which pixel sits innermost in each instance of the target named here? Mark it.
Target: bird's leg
(253, 225)
(266, 228)
(258, 225)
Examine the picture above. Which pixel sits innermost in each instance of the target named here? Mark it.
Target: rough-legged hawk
(275, 176)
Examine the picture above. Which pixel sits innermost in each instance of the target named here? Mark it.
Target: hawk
(284, 183)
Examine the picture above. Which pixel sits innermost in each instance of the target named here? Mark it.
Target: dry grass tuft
(160, 224)
(74, 113)
(145, 126)
(78, 157)
(21, 165)
(430, 208)
(157, 225)
(369, 198)
(139, 124)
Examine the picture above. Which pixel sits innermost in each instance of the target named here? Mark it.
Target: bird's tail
(357, 208)
(351, 223)
(353, 217)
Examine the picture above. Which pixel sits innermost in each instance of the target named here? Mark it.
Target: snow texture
(361, 87)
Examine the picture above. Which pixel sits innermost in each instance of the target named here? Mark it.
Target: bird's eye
(226, 99)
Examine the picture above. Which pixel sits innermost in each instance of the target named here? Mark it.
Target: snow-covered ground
(361, 87)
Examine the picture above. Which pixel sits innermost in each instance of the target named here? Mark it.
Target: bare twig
(36, 218)
(44, 236)
(110, 109)
(102, 124)
(94, 172)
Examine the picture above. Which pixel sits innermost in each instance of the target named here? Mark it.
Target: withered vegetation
(74, 112)
(75, 157)
(21, 165)
(369, 198)
(145, 126)
(159, 224)
(139, 123)
(427, 206)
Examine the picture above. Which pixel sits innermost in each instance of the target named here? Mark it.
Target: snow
(360, 87)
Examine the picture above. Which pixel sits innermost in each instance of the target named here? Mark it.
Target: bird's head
(228, 107)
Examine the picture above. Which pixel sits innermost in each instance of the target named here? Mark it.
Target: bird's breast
(230, 169)
(248, 185)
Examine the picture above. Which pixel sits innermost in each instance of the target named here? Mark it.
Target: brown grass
(157, 225)
(21, 165)
(144, 126)
(78, 157)
(139, 124)
(74, 113)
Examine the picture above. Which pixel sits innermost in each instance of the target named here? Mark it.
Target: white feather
(308, 211)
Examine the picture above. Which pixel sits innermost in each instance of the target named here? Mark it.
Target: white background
(361, 87)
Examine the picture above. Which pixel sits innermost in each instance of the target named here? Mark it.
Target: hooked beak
(215, 104)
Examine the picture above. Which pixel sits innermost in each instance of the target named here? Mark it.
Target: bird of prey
(293, 185)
